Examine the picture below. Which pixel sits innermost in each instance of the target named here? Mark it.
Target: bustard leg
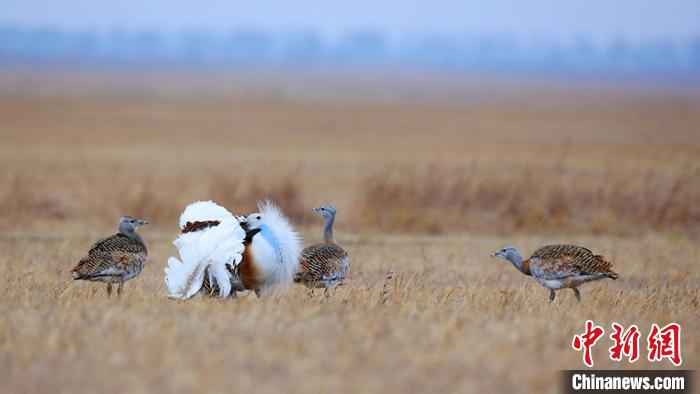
(119, 289)
(257, 292)
(332, 289)
(577, 293)
(109, 289)
(551, 295)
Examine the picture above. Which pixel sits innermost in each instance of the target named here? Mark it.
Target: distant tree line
(252, 48)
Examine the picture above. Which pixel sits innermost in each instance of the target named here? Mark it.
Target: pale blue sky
(597, 19)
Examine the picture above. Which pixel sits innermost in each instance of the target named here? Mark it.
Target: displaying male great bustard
(560, 266)
(326, 264)
(258, 253)
(116, 259)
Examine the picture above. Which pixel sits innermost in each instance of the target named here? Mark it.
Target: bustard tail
(211, 240)
(605, 267)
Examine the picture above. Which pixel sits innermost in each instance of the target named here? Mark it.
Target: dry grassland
(426, 189)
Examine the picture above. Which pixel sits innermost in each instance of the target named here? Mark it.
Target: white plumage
(276, 248)
(201, 211)
(214, 242)
(212, 247)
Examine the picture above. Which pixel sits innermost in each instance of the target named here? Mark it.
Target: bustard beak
(141, 222)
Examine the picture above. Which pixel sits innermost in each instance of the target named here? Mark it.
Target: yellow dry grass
(450, 319)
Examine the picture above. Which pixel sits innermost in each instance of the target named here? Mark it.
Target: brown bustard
(560, 266)
(324, 265)
(115, 259)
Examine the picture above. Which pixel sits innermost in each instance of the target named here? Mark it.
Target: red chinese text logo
(662, 343)
(626, 343)
(587, 340)
(665, 343)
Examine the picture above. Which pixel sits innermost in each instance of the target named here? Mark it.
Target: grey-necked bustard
(115, 259)
(323, 265)
(560, 266)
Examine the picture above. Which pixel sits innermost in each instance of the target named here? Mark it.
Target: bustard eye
(257, 217)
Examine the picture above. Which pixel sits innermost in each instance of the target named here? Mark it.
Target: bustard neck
(517, 260)
(130, 232)
(328, 229)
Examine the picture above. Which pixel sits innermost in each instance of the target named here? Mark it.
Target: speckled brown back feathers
(321, 261)
(111, 256)
(567, 257)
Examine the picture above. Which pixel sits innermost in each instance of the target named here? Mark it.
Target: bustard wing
(211, 243)
(117, 242)
(561, 261)
(110, 257)
(322, 262)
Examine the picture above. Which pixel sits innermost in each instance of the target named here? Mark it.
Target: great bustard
(326, 264)
(257, 253)
(115, 259)
(560, 266)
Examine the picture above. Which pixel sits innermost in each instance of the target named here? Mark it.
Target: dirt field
(428, 182)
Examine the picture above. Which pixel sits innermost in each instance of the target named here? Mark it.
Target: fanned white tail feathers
(183, 280)
(290, 243)
(200, 211)
(211, 248)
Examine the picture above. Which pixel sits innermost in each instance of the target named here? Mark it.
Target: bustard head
(252, 221)
(509, 253)
(325, 210)
(128, 224)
